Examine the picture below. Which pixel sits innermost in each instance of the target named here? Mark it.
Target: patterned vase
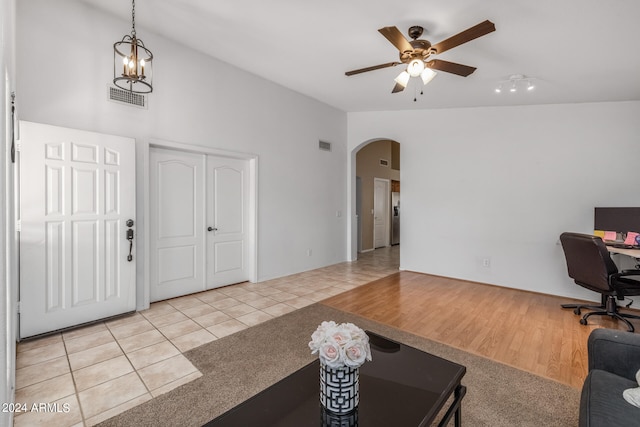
(339, 389)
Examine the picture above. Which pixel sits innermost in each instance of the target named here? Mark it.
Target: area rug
(238, 366)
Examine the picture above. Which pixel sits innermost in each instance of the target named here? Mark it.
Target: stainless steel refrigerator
(395, 218)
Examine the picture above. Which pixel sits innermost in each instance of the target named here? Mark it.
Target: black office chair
(590, 265)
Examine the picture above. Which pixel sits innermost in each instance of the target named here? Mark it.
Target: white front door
(177, 223)
(77, 192)
(380, 212)
(227, 221)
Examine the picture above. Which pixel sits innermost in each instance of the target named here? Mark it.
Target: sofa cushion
(602, 403)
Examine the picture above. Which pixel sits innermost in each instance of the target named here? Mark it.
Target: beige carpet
(240, 365)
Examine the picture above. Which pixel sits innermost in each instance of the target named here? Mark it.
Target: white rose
(355, 353)
(331, 354)
(316, 341)
(355, 332)
(320, 334)
(340, 336)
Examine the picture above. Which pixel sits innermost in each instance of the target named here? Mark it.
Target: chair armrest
(628, 273)
(614, 351)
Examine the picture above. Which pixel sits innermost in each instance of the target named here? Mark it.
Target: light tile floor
(87, 375)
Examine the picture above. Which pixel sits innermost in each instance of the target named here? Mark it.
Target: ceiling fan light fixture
(530, 86)
(427, 75)
(415, 67)
(403, 79)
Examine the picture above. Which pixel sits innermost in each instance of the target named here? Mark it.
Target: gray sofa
(614, 359)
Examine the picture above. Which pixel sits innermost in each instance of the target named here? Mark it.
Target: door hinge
(19, 225)
(18, 307)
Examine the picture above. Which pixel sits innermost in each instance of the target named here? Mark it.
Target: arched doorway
(374, 174)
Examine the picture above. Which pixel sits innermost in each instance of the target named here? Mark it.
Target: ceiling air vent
(324, 146)
(126, 97)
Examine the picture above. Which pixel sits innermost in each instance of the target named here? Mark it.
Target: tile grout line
(73, 378)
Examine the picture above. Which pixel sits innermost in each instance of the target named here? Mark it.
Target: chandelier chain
(133, 17)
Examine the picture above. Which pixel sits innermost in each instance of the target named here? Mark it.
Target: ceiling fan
(416, 53)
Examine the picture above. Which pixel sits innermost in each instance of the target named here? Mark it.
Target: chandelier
(132, 61)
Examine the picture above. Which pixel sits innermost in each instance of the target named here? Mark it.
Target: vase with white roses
(342, 349)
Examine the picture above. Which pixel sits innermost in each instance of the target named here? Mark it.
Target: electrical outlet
(486, 262)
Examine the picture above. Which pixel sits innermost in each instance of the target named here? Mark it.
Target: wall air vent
(384, 162)
(126, 97)
(324, 146)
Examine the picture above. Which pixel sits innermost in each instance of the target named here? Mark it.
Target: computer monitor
(621, 220)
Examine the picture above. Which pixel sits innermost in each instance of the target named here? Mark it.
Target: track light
(515, 82)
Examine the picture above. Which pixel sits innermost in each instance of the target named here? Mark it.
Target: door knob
(212, 229)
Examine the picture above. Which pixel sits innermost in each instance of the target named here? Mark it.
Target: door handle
(212, 229)
(130, 239)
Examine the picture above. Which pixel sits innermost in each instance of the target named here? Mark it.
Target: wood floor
(521, 329)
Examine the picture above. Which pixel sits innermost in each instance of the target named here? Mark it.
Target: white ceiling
(578, 50)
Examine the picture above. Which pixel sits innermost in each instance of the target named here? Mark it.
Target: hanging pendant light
(132, 61)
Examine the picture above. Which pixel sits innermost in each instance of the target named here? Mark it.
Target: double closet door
(198, 222)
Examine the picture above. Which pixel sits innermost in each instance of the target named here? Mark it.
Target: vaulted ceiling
(577, 50)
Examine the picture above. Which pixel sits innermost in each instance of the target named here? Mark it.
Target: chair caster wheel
(576, 311)
(583, 321)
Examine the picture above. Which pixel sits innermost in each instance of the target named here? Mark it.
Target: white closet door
(227, 221)
(177, 238)
(77, 190)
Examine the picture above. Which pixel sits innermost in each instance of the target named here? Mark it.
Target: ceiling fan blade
(467, 35)
(450, 67)
(396, 38)
(375, 67)
(397, 88)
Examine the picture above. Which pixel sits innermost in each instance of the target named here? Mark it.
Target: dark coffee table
(402, 386)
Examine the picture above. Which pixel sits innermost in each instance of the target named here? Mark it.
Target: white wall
(8, 293)
(65, 62)
(504, 183)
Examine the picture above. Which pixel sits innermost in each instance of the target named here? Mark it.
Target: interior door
(227, 221)
(380, 213)
(177, 223)
(77, 191)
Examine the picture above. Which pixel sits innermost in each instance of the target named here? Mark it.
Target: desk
(634, 253)
(627, 259)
